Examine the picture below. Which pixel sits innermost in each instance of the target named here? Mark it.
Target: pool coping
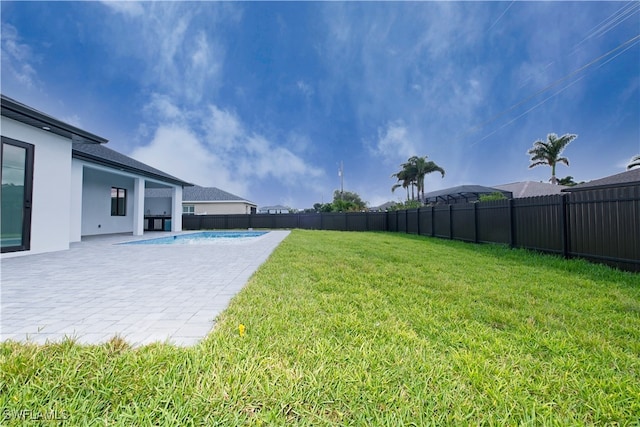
(259, 234)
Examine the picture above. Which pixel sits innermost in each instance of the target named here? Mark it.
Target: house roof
(198, 194)
(205, 194)
(17, 111)
(531, 189)
(463, 192)
(383, 207)
(624, 179)
(275, 208)
(96, 153)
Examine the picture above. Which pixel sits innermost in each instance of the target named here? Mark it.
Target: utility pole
(341, 175)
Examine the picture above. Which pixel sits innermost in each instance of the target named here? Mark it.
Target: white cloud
(216, 149)
(178, 56)
(17, 57)
(448, 26)
(74, 120)
(162, 107)
(305, 88)
(130, 8)
(266, 159)
(171, 42)
(394, 142)
(299, 142)
(223, 129)
(200, 57)
(178, 151)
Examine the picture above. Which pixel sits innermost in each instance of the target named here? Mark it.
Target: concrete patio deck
(143, 293)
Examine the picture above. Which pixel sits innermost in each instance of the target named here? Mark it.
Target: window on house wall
(17, 182)
(188, 210)
(118, 201)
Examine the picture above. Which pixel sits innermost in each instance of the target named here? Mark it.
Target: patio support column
(75, 226)
(138, 206)
(176, 209)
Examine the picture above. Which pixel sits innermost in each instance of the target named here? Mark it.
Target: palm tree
(567, 180)
(422, 168)
(404, 178)
(635, 162)
(413, 173)
(548, 153)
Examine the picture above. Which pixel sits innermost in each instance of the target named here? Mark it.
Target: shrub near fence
(602, 226)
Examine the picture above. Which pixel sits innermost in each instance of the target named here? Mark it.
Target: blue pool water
(201, 238)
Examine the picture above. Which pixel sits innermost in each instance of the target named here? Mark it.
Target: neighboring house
(198, 200)
(630, 178)
(383, 207)
(59, 183)
(278, 209)
(462, 194)
(531, 189)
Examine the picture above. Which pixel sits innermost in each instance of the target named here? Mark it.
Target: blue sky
(265, 100)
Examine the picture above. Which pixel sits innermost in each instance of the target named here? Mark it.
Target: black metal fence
(602, 226)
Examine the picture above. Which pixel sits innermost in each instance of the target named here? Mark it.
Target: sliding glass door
(17, 178)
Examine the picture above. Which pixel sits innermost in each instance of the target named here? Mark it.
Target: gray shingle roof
(198, 194)
(30, 116)
(531, 189)
(623, 179)
(86, 146)
(205, 194)
(102, 155)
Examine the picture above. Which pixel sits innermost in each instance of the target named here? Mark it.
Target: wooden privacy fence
(602, 226)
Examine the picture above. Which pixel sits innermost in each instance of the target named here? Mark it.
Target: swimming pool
(201, 238)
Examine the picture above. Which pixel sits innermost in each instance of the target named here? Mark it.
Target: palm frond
(538, 163)
(549, 152)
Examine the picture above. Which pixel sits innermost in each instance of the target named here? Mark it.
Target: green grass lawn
(367, 329)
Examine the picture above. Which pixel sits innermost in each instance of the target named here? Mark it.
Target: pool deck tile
(144, 293)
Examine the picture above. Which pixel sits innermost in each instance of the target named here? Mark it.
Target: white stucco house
(60, 183)
(198, 200)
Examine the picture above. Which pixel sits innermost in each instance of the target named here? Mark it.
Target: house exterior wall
(219, 208)
(96, 203)
(157, 206)
(50, 212)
